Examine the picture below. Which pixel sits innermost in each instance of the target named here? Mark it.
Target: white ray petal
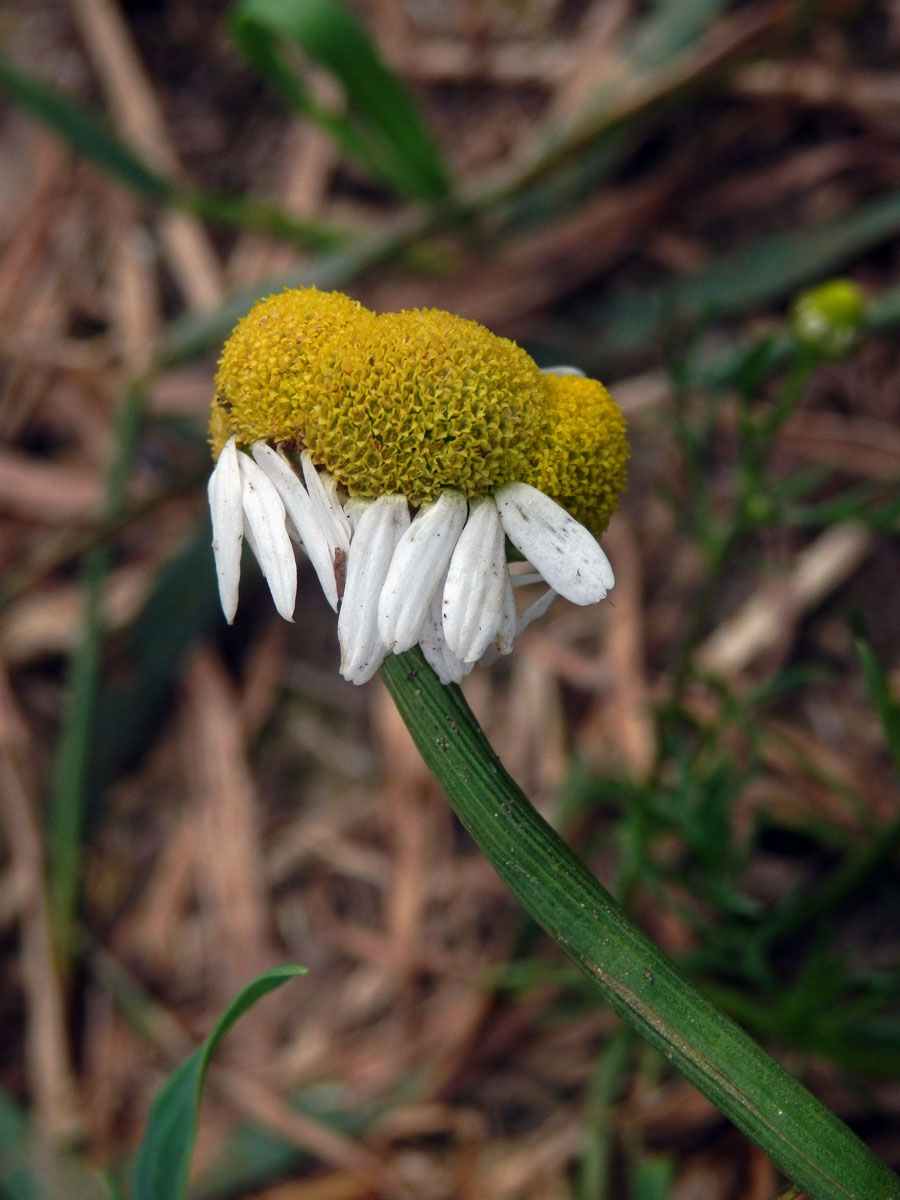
(305, 517)
(323, 493)
(563, 371)
(380, 528)
(506, 634)
(224, 492)
(354, 509)
(448, 666)
(334, 504)
(565, 553)
(472, 605)
(417, 568)
(264, 518)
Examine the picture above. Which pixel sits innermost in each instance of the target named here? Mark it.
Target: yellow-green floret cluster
(428, 401)
(282, 355)
(414, 403)
(584, 464)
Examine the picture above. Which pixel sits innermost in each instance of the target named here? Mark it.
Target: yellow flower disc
(286, 348)
(583, 465)
(431, 401)
(412, 402)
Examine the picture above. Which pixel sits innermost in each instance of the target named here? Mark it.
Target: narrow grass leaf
(68, 796)
(886, 704)
(738, 281)
(70, 790)
(594, 1181)
(675, 25)
(651, 1177)
(245, 212)
(195, 333)
(84, 133)
(30, 1170)
(163, 1160)
(381, 127)
(91, 139)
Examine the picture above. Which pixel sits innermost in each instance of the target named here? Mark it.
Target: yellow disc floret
(583, 465)
(412, 402)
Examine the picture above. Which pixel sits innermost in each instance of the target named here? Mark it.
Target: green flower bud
(830, 318)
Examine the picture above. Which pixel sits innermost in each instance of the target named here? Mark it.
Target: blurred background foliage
(643, 190)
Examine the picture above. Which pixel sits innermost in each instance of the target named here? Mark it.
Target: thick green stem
(803, 1138)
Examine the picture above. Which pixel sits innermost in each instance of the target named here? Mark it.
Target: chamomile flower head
(401, 451)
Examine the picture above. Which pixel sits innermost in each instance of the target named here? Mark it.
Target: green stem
(69, 798)
(594, 1175)
(804, 1139)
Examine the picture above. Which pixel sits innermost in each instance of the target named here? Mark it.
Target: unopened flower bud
(830, 318)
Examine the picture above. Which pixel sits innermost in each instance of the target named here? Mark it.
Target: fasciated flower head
(402, 450)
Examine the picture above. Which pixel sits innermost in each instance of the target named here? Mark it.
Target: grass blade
(885, 703)
(671, 28)
(382, 128)
(70, 789)
(84, 133)
(182, 607)
(163, 1160)
(91, 139)
(30, 1170)
(195, 333)
(597, 1152)
(742, 280)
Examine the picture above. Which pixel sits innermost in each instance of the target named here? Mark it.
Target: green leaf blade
(163, 1160)
(83, 132)
(382, 128)
(885, 703)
